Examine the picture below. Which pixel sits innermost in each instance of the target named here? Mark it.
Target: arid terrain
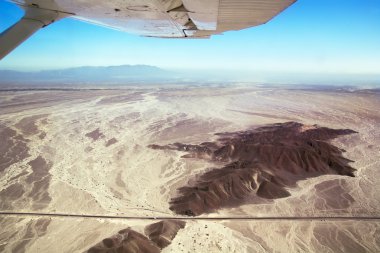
(190, 169)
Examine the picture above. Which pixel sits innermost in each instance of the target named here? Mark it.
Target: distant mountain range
(145, 74)
(137, 73)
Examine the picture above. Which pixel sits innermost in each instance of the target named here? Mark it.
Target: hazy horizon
(124, 74)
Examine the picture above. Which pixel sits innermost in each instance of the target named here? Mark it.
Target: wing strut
(33, 20)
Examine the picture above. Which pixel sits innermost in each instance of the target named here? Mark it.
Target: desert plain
(236, 168)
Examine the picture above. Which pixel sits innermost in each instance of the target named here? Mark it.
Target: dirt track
(303, 218)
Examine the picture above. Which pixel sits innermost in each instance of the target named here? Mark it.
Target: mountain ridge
(90, 74)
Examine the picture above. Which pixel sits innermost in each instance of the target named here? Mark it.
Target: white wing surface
(155, 18)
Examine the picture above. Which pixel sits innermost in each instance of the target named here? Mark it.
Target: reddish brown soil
(163, 232)
(111, 142)
(13, 147)
(95, 135)
(40, 181)
(129, 241)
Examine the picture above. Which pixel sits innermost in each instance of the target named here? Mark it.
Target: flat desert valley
(190, 169)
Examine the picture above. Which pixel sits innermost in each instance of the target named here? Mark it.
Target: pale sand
(78, 235)
(128, 178)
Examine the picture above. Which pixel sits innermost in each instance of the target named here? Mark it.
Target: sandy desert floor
(89, 152)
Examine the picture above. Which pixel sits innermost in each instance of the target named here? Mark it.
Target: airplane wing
(154, 18)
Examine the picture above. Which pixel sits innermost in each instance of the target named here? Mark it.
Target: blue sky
(312, 36)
